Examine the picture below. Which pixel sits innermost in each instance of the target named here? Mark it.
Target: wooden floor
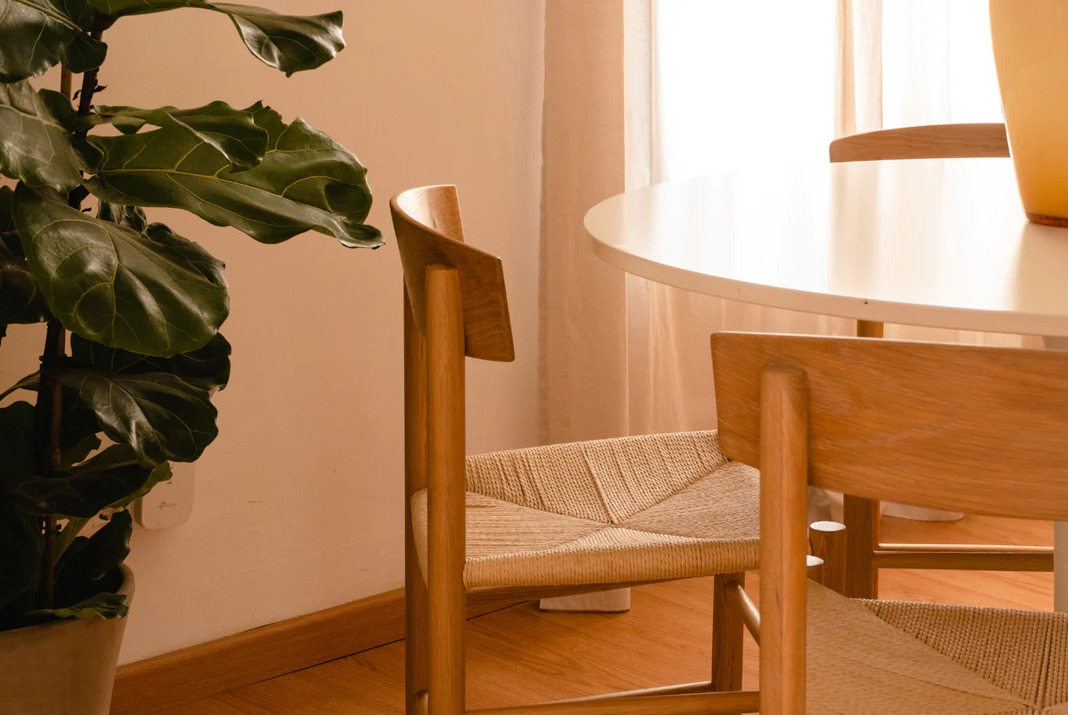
(522, 655)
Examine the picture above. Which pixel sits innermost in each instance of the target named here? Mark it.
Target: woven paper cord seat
(605, 511)
(891, 657)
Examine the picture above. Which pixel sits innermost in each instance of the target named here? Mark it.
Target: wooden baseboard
(200, 671)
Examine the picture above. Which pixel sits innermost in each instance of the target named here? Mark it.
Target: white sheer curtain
(726, 86)
(710, 86)
(764, 84)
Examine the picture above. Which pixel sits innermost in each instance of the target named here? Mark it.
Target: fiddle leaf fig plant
(132, 351)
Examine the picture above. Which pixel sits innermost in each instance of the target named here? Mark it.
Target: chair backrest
(454, 306)
(429, 232)
(935, 141)
(947, 426)
(978, 429)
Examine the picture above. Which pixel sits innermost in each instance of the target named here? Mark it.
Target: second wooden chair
(984, 430)
(542, 521)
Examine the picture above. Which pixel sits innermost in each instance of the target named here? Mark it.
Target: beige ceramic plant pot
(1031, 55)
(63, 667)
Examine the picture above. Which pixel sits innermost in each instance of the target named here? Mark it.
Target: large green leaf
(89, 565)
(34, 146)
(78, 427)
(231, 132)
(108, 477)
(21, 300)
(38, 34)
(16, 443)
(305, 181)
(191, 252)
(289, 43)
(160, 473)
(96, 607)
(110, 284)
(207, 368)
(161, 416)
(132, 217)
(21, 542)
(9, 237)
(21, 552)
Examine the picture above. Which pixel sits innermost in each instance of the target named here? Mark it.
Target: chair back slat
(978, 429)
(429, 232)
(935, 141)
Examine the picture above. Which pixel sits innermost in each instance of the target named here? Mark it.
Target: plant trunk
(49, 412)
(49, 407)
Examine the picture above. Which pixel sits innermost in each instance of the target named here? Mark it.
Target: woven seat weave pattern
(645, 508)
(888, 657)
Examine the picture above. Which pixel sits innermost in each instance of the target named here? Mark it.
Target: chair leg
(446, 654)
(727, 637)
(861, 517)
(416, 655)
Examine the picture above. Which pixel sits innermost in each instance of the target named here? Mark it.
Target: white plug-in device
(170, 503)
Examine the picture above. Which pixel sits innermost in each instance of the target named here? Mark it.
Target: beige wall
(298, 503)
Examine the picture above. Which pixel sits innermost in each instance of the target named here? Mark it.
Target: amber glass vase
(1031, 55)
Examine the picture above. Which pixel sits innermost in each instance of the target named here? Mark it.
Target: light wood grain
(427, 223)
(977, 557)
(727, 625)
(692, 704)
(256, 655)
(446, 493)
(415, 478)
(783, 539)
(232, 662)
(750, 614)
(903, 421)
(521, 655)
(828, 539)
(933, 141)
(936, 141)
(869, 329)
(861, 517)
(942, 426)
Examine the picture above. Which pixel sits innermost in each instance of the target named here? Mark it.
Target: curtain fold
(583, 313)
(859, 76)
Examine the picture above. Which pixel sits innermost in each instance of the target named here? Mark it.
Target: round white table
(940, 242)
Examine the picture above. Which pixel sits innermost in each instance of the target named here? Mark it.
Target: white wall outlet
(170, 503)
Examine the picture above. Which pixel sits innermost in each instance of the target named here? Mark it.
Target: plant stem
(48, 414)
(49, 409)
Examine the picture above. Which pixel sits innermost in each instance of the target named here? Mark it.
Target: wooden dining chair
(983, 430)
(542, 521)
(861, 516)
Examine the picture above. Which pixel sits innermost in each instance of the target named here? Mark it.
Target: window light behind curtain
(743, 82)
(742, 85)
(711, 86)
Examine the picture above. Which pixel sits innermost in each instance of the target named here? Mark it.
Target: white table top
(940, 242)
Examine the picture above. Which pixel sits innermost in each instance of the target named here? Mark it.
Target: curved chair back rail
(933, 141)
(429, 232)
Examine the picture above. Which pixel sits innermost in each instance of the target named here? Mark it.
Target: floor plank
(522, 655)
